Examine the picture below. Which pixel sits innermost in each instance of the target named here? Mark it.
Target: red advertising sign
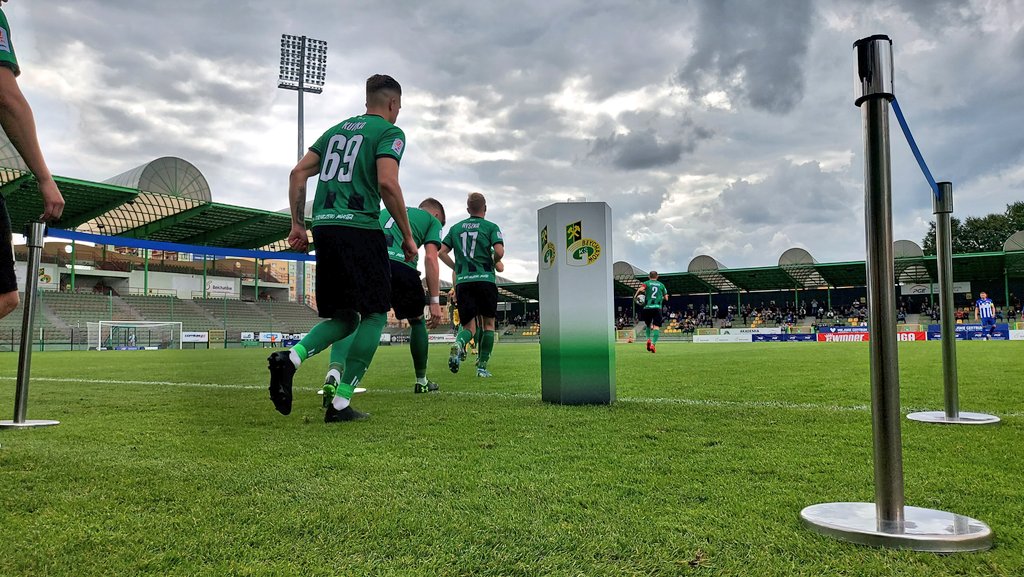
(842, 337)
(863, 337)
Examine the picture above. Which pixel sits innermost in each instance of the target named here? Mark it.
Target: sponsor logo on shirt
(397, 146)
(5, 44)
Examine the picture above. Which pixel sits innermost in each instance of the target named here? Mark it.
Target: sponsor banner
(441, 338)
(248, 336)
(220, 287)
(761, 331)
(972, 335)
(843, 337)
(968, 328)
(1017, 335)
(270, 337)
(933, 288)
(912, 336)
(195, 337)
(721, 338)
(385, 338)
(784, 338)
(842, 329)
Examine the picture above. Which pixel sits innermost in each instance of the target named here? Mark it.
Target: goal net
(134, 335)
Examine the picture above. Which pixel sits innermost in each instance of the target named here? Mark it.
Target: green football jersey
(472, 240)
(7, 57)
(347, 193)
(655, 294)
(426, 229)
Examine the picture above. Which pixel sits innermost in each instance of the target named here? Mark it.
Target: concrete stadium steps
(76, 310)
(235, 316)
(168, 308)
(289, 317)
(52, 326)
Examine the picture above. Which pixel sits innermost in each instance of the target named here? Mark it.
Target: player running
(479, 249)
(357, 162)
(986, 310)
(654, 296)
(407, 297)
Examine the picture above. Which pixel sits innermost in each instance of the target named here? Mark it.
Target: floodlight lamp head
(873, 69)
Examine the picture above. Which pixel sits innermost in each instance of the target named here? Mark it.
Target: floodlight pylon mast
(303, 69)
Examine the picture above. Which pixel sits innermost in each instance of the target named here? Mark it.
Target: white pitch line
(521, 396)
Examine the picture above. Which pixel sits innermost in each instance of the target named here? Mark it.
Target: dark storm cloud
(637, 150)
(752, 50)
(643, 147)
(791, 194)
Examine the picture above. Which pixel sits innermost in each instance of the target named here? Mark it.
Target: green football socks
(486, 346)
(464, 337)
(648, 329)
(323, 335)
(360, 353)
(654, 336)
(418, 345)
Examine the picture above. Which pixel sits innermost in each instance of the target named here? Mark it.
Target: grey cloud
(637, 150)
(646, 145)
(758, 45)
(791, 194)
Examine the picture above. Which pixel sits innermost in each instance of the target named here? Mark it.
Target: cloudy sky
(724, 128)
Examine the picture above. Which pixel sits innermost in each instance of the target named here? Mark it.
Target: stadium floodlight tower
(303, 69)
(886, 522)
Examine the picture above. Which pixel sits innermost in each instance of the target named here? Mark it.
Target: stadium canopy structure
(798, 270)
(167, 199)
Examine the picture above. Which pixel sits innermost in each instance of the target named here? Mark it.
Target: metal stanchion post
(942, 208)
(35, 250)
(886, 522)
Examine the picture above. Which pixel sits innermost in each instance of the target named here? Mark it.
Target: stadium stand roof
(167, 199)
(798, 270)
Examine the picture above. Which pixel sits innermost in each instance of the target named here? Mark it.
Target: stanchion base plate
(925, 529)
(28, 424)
(962, 419)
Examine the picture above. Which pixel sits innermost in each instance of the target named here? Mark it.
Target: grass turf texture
(700, 469)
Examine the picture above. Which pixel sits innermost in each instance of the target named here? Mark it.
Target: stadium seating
(235, 316)
(169, 308)
(289, 317)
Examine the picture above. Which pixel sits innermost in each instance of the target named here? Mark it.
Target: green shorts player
(479, 248)
(357, 163)
(407, 298)
(655, 296)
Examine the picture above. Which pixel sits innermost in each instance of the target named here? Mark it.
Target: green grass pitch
(175, 463)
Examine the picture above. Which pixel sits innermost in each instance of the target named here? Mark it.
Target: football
(641, 299)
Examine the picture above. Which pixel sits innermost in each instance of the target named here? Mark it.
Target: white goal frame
(97, 334)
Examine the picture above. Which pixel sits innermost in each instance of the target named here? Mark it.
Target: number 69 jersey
(347, 193)
(472, 240)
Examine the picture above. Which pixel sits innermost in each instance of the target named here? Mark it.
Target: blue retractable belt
(915, 149)
(175, 247)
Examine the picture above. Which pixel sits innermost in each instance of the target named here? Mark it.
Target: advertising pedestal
(577, 335)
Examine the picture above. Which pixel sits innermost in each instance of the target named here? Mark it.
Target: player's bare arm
(433, 270)
(307, 167)
(391, 194)
(20, 126)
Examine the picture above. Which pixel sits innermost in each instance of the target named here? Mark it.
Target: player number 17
(471, 250)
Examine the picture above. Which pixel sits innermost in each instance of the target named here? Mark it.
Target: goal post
(134, 335)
